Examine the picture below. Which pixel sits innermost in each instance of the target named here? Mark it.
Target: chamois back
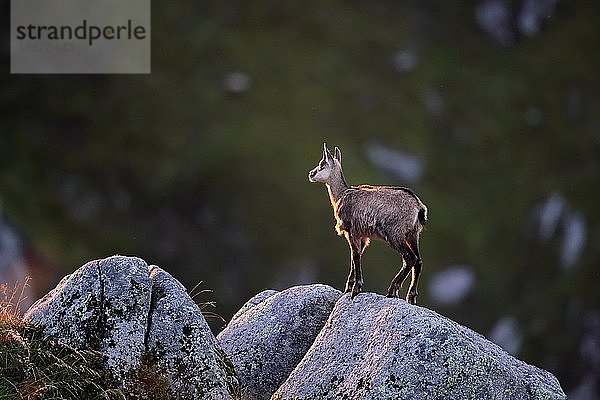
(384, 212)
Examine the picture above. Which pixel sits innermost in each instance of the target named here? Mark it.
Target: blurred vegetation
(212, 184)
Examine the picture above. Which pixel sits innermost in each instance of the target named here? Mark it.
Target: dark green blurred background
(491, 114)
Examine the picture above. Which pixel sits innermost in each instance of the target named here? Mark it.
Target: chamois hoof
(411, 298)
(393, 292)
(356, 288)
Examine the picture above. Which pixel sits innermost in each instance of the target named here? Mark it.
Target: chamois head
(329, 167)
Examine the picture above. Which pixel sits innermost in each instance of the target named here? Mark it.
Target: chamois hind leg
(409, 260)
(412, 239)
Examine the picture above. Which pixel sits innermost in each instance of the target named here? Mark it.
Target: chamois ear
(326, 153)
(337, 154)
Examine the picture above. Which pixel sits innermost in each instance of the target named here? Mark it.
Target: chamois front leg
(355, 280)
(355, 275)
(351, 274)
(350, 280)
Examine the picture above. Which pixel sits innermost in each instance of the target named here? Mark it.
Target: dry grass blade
(11, 300)
(204, 305)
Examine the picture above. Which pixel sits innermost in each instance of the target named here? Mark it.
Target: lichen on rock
(101, 306)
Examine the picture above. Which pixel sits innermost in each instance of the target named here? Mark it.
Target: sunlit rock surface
(101, 306)
(374, 347)
(272, 332)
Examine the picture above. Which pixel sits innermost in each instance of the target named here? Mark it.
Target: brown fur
(391, 213)
(382, 212)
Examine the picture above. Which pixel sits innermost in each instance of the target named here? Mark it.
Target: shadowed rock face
(132, 312)
(272, 332)
(375, 347)
(180, 340)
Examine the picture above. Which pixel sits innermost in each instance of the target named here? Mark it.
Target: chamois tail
(422, 216)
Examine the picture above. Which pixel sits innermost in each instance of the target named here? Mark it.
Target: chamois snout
(319, 174)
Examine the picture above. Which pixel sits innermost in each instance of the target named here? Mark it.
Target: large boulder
(374, 347)
(102, 306)
(146, 324)
(272, 332)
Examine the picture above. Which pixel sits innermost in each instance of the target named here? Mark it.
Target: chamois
(391, 213)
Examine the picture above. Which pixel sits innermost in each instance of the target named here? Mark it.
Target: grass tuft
(33, 367)
(151, 385)
(11, 301)
(205, 307)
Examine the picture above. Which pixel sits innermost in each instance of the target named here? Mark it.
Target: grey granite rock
(140, 317)
(184, 348)
(101, 306)
(374, 347)
(257, 299)
(271, 334)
